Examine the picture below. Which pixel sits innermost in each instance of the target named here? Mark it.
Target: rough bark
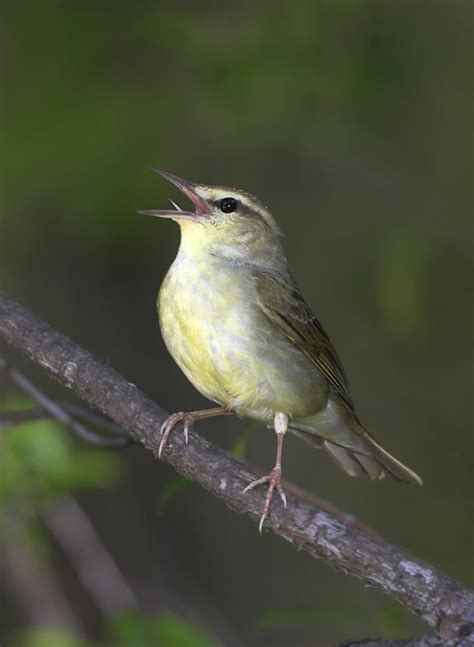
(443, 603)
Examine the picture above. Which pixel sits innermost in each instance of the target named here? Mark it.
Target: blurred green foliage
(127, 630)
(46, 638)
(39, 460)
(138, 630)
(182, 73)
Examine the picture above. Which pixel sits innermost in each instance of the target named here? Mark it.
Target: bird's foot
(274, 481)
(189, 418)
(171, 422)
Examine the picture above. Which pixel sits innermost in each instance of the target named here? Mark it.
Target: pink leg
(274, 478)
(189, 419)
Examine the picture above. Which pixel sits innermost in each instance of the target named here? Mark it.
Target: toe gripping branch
(188, 418)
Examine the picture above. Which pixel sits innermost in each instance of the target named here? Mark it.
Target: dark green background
(352, 120)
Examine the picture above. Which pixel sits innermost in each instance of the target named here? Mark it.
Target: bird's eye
(228, 205)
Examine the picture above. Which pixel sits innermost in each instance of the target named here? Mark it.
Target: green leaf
(166, 630)
(40, 459)
(46, 638)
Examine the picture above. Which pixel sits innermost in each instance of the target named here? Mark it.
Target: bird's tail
(376, 464)
(360, 454)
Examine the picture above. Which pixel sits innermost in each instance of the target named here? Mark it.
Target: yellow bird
(237, 325)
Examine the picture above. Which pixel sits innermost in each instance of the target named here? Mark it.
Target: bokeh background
(353, 122)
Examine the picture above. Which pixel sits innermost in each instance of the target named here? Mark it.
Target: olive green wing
(280, 299)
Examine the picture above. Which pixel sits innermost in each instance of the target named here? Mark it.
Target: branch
(96, 569)
(427, 641)
(445, 604)
(60, 413)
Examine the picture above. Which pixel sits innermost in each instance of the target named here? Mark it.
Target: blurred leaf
(239, 447)
(178, 484)
(46, 638)
(40, 459)
(166, 630)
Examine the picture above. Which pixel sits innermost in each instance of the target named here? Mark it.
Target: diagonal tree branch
(445, 604)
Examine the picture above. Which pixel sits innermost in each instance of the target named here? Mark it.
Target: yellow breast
(227, 347)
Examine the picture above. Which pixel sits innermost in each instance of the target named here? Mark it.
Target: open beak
(200, 205)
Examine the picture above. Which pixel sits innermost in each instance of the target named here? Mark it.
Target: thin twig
(98, 572)
(59, 412)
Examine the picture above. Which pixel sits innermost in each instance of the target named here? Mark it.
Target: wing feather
(281, 300)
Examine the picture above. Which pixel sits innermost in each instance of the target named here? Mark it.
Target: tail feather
(376, 463)
(353, 462)
(344, 459)
(358, 453)
(372, 468)
(395, 468)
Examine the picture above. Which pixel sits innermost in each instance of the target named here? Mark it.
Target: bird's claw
(274, 481)
(170, 423)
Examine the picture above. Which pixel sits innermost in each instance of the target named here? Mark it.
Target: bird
(236, 323)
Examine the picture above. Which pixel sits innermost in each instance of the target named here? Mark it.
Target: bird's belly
(232, 353)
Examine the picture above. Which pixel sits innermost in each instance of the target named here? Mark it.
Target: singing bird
(236, 323)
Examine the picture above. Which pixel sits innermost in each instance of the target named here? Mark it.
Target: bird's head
(227, 222)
